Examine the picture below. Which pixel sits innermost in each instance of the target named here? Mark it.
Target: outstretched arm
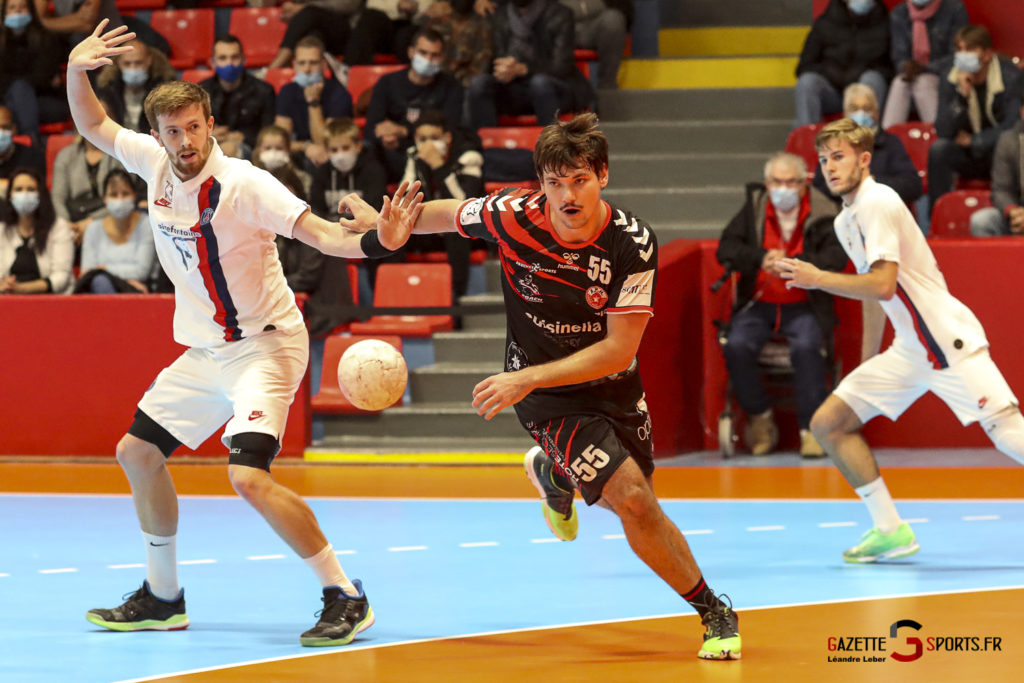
(400, 216)
(93, 52)
(879, 284)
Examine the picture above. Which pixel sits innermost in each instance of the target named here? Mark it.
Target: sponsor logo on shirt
(515, 358)
(471, 212)
(255, 415)
(163, 202)
(597, 297)
(557, 327)
(637, 289)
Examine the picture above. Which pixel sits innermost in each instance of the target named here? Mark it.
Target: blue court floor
(435, 568)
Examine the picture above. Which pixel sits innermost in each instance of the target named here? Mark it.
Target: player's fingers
(413, 193)
(99, 27)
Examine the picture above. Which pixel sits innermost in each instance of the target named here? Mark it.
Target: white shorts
(251, 382)
(890, 382)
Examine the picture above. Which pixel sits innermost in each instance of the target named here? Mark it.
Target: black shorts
(589, 448)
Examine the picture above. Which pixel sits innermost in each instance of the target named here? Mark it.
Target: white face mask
(120, 208)
(344, 161)
(25, 201)
(274, 159)
(442, 147)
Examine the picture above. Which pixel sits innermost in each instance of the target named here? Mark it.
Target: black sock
(701, 598)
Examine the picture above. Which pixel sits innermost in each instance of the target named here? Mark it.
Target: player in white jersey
(214, 221)
(939, 345)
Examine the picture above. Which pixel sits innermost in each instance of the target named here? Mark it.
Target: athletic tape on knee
(253, 449)
(1007, 433)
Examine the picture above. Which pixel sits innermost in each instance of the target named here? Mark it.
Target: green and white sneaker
(142, 611)
(721, 633)
(874, 545)
(556, 494)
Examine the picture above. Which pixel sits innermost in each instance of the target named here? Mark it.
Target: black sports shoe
(342, 617)
(556, 494)
(142, 611)
(721, 632)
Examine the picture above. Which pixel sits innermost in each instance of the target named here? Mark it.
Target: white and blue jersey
(214, 236)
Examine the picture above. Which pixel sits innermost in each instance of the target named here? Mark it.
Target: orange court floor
(974, 635)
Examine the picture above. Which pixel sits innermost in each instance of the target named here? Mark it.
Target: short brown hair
(973, 36)
(343, 126)
(571, 144)
(174, 96)
(860, 137)
(311, 41)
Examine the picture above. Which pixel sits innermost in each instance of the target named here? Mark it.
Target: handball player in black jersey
(578, 278)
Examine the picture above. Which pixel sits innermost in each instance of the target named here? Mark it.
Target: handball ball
(372, 374)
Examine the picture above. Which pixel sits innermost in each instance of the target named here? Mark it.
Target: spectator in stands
(308, 103)
(30, 78)
(272, 154)
(447, 168)
(398, 99)
(782, 217)
(922, 37)
(1006, 215)
(345, 27)
(535, 69)
(352, 168)
(602, 25)
(36, 251)
(14, 156)
(890, 163)
(466, 35)
(118, 254)
(125, 84)
(979, 98)
(76, 18)
(848, 43)
(79, 175)
(241, 104)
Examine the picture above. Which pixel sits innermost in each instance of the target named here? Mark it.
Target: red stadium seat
(362, 77)
(134, 5)
(917, 137)
(801, 143)
(329, 398)
(279, 77)
(951, 216)
(54, 144)
(189, 32)
(519, 137)
(260, 29)
(196, 75)
(410, 284)
(972, 184)
(222, 3)
(56, 128)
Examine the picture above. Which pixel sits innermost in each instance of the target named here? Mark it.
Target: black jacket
(841, 45)
(464, 165)
(367, 177)
(247, 110)
(953, 115)
(890, 165)
(740, 247)
(113, 94)
(1007, 190)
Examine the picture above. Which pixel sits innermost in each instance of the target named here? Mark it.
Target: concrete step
(425, 444)
(680, 204)
(697, 136)
(483, 321)
(450, 382)
(701, 105)
(674, 73)
(675, 170)
(431, 420)
(467, 346)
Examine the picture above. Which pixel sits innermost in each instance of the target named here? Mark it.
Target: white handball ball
(372, 374)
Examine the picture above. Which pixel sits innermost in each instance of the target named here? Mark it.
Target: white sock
(162, 563)
(883, 511)
(328, 570)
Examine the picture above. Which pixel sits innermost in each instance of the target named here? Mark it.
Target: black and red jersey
(558, 295)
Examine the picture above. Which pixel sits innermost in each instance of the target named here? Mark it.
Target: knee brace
(253, 449)
(1007, 433)
(144, 427)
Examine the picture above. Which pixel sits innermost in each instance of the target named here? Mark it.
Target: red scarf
(922, 49)
(773, 289)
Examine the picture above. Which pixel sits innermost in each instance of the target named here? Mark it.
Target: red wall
(1003, 18)
(73, 369)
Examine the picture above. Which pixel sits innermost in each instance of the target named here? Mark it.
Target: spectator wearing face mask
(848, 43)
(351, 169)
(272, 153)
(922, 37)
(14, 156)
(890, 163)
(447, 168)
(782, 217)
(36, 251)
(240, 104)
(399, 98)
(979, 98)
(466, 35)
(125, 84)
(308, 103)
(118, 254)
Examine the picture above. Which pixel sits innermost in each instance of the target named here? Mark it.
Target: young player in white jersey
(939, 345)
(214, 220)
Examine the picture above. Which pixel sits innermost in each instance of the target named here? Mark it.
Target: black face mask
(521, 4)
(462, 7)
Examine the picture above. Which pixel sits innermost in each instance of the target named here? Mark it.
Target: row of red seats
(951, 213)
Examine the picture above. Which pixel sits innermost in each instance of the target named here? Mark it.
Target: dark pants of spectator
(750, 330)
(606, 33)
(946, 159)
(371, 34)
(540, 94)
(29, 110)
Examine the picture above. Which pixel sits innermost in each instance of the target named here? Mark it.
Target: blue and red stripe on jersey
(216, 284)
(935, 355)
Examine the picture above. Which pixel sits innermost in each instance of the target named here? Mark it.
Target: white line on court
(917, 520)
(829, 525)
(613, 537)
(65, 570)
(344, 552)
(406, 548)
(694, 532)
(979, 518)
(479, 544)
(545, 540)
(770, 527)
(198, 562)
(265, 557)
(133, 565)
(3, 575)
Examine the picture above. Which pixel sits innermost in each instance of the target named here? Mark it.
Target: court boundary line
(483, 634)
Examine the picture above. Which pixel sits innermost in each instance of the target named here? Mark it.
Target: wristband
(371, 246)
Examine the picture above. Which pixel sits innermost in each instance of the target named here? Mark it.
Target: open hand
(97, 50)
(802, 274)
(399, 214)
